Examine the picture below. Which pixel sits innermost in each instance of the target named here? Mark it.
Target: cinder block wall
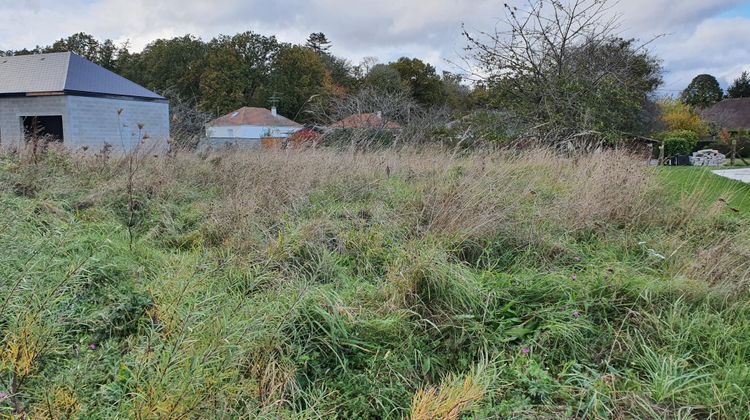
(94, 122)
(12, 109)
(90, 122)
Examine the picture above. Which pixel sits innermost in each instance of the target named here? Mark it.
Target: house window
(47, 127)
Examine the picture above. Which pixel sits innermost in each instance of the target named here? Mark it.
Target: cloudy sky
(702, 36)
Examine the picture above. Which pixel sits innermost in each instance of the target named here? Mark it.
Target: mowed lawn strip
(701, 183)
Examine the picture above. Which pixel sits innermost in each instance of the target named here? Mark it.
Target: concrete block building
(65, 97)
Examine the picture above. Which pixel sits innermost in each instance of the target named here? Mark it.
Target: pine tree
(740, 88)
(318, 42)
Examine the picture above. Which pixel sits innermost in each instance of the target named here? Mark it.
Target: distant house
(250, 127)
(65, 97)
(730, 114)
(366, 121)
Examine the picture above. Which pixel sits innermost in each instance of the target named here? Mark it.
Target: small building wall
(12, 109)
(90, 122)
(221, 143)
(249, 131)
(94, 121)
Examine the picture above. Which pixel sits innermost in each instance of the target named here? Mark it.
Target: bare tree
(393, 106)
(363, 68)
(560, 66)
(372, 118)
(187, 125)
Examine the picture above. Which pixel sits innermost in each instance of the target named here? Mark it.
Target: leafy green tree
(81, 43)
(422, 79)
(740, 88)
(339, 70)
(456, 92)
(702, 92)
(561, 66)
(298, 78)
(109, 54)
(236, 67)
(24, 51)
(384, 78)
(481, 95)
(169, 64)
(624, 76)
(126, 63)
(103, 53)
(222, 88)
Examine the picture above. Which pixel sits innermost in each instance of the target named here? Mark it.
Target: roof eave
(156, 98)
(79, 93)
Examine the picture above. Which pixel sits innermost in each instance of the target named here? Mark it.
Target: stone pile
(708, 157)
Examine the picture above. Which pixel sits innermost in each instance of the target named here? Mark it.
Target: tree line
(251, 69)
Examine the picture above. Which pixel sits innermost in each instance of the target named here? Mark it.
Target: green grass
(684, 182)
(314, 285)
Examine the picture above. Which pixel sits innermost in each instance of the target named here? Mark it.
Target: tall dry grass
(526, 198)
(453, 195)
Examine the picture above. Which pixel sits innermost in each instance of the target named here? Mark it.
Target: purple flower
(3, 395)
(525, 350)
(578, 259)
(92, 346)
(574, 277)
(576, 314)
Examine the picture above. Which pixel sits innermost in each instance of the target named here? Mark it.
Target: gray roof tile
(57, 72)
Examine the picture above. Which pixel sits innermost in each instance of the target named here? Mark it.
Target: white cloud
(670, 16)
(696, 41)
(714, 46)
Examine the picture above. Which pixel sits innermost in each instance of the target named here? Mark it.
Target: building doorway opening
(47, 127)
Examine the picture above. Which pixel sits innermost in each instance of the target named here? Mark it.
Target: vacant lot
(387, 284)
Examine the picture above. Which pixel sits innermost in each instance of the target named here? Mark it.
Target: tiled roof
(64, 72)
(731, 114)
(253, 116)
(363, 121)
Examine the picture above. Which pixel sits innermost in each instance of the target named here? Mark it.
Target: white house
(68, 98)
(247, 126)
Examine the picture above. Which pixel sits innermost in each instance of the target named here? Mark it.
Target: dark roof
(254, 116)
(64, 72)
(365, 121)
(731, 114)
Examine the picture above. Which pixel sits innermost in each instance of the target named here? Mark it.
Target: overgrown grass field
(396, 284)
